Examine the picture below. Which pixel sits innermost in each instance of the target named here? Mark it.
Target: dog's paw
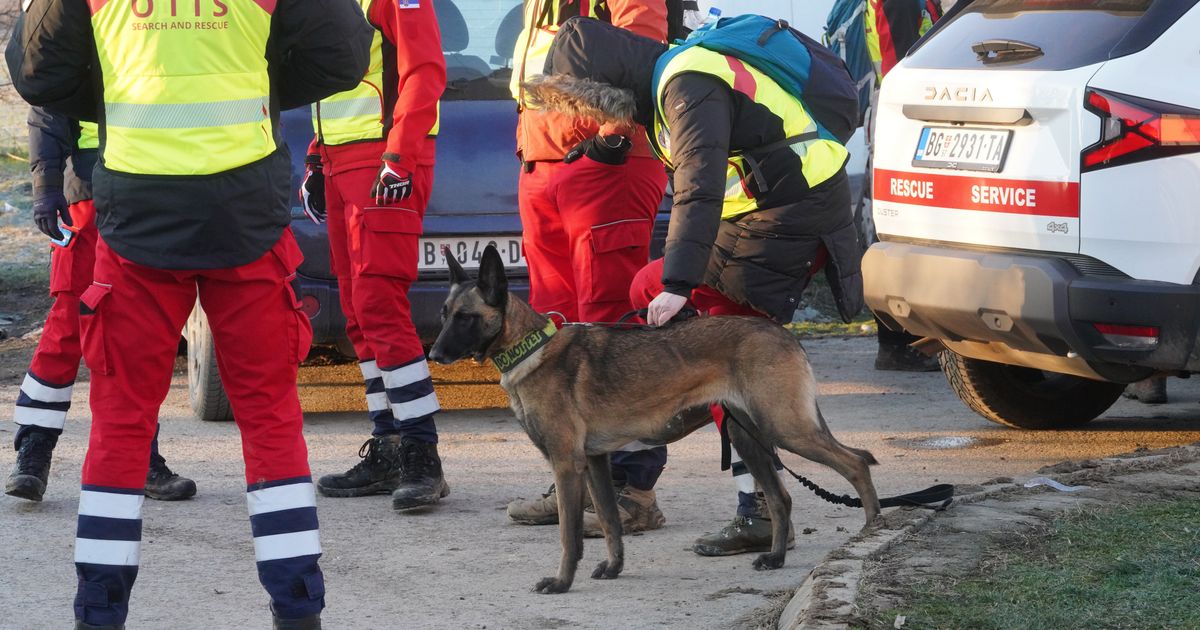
(548, 586)
(605, 572)
(768, 561)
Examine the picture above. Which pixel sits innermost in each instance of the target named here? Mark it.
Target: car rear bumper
(426, 297)
(1031, 310)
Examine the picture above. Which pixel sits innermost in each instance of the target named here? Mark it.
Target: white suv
(1037, 201)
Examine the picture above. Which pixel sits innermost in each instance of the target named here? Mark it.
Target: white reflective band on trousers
(410, 391)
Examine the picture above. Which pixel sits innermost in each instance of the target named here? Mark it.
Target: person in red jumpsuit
(370, 174)
(588, 196)
(61, 156)
(191, 195)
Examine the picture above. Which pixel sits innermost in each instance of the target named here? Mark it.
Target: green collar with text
(508, 359)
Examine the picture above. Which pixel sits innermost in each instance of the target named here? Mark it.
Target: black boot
(421, 480)
(377, 473)
(32, 471)
(311, 622)
(892, 358)
(164, 485)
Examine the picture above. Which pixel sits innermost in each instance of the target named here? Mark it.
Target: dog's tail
(862, 454)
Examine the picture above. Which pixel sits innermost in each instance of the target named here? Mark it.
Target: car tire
(1025, 398)
(205, 391)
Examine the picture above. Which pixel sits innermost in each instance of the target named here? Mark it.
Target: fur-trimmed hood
(598, 71)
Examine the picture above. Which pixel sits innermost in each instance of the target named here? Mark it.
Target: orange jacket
(549, 135)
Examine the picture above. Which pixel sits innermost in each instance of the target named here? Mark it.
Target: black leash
(937, 497)
(624, 322)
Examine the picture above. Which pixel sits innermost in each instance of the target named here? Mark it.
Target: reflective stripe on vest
(355, 114)
(872, 33)
(541, 22)
(89, 136)
(161, 73)
(820, 159)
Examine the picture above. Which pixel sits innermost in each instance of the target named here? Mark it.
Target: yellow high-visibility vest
(541, 22)
(89, 136)
(357, 115)
(184, 94)
(820, 158)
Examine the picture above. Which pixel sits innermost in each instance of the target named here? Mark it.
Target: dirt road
(464, 565)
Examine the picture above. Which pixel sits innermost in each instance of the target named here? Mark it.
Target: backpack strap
(756, 173)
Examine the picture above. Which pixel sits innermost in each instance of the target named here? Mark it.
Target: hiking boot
(164, 485)
(904, 359)
(638, 509)
(540, 511)
(421, 480)
(32, 471)
(745, 534)
(377, 473)
(1150, 391)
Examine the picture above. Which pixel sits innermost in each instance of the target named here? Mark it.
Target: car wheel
(205, 391)
(1025, 398)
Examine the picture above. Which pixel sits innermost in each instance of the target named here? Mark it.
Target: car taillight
(1130, 337)
(1135, 129)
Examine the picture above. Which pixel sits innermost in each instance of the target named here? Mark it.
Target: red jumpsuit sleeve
(411, 27)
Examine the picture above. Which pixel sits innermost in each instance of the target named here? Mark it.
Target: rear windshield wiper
(998, 50)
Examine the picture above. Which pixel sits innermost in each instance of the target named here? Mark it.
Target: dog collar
(508, 359)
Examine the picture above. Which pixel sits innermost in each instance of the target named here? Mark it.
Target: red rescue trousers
(131, 317)
(587, 229)
(374, 251)
(46, 391)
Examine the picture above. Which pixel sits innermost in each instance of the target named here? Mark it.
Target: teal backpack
(800, 65)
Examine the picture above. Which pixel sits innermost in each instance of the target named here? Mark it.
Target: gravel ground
(464, 565)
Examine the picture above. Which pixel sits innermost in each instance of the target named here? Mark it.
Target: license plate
(468, 250)
(962, 148)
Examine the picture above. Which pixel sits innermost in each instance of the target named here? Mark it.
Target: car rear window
(478, 38)
(1069, 33)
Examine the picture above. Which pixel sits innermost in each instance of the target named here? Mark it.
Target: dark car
(474, 200)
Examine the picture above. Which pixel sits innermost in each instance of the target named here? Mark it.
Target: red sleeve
(410, 26)
(647, 18)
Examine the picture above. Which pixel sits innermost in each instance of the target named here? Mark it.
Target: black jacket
(55, 159)
(763, 259)
(316, 48)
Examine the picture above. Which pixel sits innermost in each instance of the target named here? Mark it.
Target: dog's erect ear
(493, 284)
(457, 274)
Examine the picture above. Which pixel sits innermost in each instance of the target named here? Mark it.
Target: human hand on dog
(663, 307)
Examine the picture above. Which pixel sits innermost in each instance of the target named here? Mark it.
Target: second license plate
(962, 148)
(468, 250)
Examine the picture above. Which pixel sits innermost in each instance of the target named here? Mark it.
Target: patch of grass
(1129, 567)
(15, 277)
(862, 326)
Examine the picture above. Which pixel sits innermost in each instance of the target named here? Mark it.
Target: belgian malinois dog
(583, 391)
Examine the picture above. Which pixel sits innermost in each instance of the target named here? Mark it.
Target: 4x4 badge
(1053, 227)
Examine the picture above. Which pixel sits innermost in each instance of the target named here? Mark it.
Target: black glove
(48, 207)
(312, 191)
(612, 150)
(392, 185)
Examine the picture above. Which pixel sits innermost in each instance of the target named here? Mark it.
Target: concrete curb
(826, 599)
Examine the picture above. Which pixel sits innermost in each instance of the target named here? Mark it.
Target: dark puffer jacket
(763, 259)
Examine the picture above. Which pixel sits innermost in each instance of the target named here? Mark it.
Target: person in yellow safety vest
(384, 131)
(191, 195)
(892, 27)
(754, 216)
